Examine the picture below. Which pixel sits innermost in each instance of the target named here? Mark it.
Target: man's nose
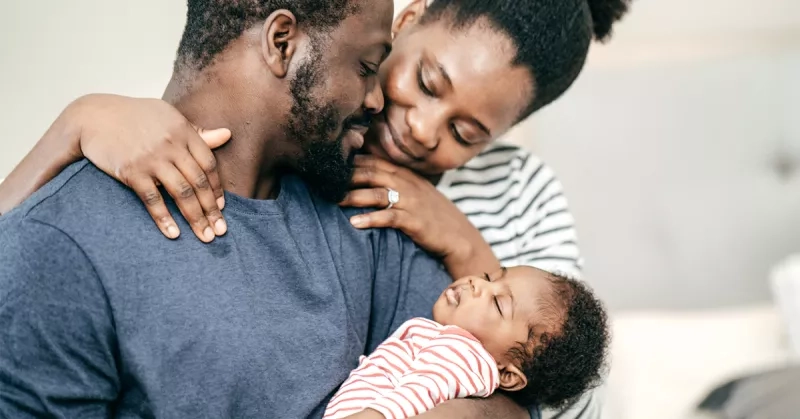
(373, 101)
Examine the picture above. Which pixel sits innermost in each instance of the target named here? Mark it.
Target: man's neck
(247, 163)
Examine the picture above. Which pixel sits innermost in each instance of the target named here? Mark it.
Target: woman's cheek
(449, 159)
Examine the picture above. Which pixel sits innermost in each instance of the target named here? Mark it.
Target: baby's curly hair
(563, 365)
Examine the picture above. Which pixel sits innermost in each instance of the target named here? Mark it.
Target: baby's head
(548, 334)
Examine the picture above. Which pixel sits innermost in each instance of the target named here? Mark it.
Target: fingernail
(208, 234)
(173, 232)
(221, 202)
(220, 227)
(357, 221)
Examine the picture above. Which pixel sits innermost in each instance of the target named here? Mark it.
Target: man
(115, 320)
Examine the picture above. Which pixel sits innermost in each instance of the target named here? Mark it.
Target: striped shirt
(421, 365)
(518, 204)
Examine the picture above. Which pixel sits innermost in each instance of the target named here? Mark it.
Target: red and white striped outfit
(421, 365)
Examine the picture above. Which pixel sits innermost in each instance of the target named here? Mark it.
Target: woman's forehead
(479, 62)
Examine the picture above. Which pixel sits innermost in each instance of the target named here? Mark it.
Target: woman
(447, 99)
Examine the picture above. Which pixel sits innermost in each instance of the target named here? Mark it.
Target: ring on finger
(394, 197)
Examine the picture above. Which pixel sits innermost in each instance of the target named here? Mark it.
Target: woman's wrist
(61, 144)
(472, 256)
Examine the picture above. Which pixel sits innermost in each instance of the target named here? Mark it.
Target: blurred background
(679, 148)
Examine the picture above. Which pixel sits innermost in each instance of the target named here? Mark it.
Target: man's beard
(321, 165)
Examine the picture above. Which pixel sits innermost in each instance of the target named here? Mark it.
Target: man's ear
(511, 377)
(409, 16)
(279, 38)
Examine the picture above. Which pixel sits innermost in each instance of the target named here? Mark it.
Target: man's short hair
(212, 24)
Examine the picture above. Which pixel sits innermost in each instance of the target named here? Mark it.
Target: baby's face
(497, 310)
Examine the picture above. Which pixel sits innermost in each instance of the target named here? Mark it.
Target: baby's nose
(477, 287)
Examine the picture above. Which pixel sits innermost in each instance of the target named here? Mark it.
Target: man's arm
(57, 352)
(407, 284)
(496, 407)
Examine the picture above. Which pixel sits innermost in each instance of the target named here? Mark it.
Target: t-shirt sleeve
(57, 353)
(407, 282)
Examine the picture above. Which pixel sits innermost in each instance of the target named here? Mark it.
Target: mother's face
(448, 93)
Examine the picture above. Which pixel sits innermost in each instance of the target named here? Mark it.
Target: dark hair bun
(604, 14)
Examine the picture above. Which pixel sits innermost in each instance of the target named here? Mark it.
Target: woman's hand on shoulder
(145, 143)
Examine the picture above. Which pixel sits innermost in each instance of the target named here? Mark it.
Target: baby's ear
(511, 377)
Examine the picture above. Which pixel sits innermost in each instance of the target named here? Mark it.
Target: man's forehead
(369, 25)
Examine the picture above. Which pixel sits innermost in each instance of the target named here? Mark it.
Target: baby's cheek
(441, 312)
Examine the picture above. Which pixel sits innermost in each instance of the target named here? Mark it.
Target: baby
(538, 337)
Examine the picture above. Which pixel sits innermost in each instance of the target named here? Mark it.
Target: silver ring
(394, 197)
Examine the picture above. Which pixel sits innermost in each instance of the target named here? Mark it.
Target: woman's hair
(551, 37)
(562, 365)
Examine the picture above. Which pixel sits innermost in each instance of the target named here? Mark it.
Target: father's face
(335, 92)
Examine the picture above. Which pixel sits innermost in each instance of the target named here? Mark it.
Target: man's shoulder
(81, 199)
(81, 193)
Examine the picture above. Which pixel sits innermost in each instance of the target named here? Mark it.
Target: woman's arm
(422, 212)
(59, 147)
(142, 143)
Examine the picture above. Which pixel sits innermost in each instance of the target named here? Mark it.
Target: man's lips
(355, 136)
(359, 128)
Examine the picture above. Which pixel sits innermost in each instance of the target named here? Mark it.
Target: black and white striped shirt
(518, 204)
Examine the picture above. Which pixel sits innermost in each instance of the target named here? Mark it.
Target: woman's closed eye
(423, 81)
(457, 136)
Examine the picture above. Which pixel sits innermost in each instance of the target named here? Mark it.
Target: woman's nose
(423, 123)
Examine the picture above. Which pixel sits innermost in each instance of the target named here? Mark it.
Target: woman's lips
(392, 146)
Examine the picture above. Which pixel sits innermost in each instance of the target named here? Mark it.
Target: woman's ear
(511, 377)
(279, 38)
(409, 16)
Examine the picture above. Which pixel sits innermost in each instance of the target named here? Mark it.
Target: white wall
(53, 51)
(679, 148)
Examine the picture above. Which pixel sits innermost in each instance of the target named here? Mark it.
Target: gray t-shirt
(100, 315)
